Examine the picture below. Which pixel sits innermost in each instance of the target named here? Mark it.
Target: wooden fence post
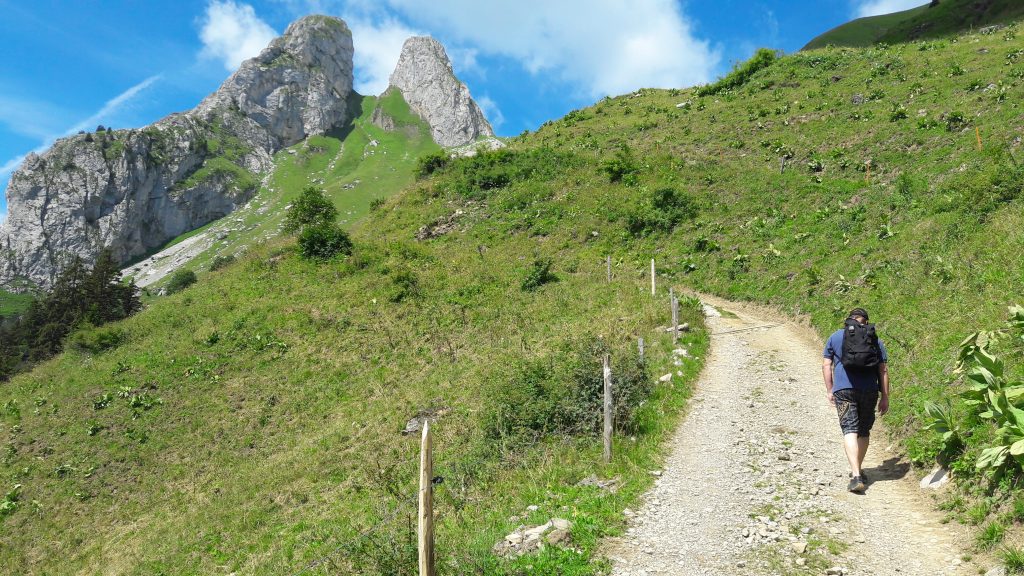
(675, 320)
(640, 347)
(426, 512)
(607, 411)
(653, 286)
(609, 269)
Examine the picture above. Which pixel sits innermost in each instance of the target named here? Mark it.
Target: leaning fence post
(640, 347)
(653, 287)
(607, 411)
(426, 512)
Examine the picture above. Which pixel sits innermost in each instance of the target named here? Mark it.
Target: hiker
(856, 374)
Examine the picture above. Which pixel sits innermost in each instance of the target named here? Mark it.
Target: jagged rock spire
(424, 76)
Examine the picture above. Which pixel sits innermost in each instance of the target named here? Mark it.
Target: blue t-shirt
(866, 380)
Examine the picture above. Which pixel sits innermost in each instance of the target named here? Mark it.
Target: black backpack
(860, 346)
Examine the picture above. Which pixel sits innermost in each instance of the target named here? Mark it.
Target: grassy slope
(865, 31)
(11, 303)
(270, 396)
(949, 17)
(929, 241)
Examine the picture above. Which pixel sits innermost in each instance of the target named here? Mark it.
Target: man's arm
(826, 372)
(883, 398)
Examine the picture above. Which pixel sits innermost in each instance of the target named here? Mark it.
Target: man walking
(856, 374)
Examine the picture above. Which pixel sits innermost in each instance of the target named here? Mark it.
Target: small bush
(661, 213)
(404, 284)
(89, 338)
(992, 534)
(740, 74)
(220, 262)
(538, 275)
(323, 241)
(376, 204)
(432, 162)
(564, 395)
(312, 208)
(180, 280)
(1013, 559)
(623, 167)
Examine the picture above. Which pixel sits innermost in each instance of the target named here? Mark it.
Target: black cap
(859, 312)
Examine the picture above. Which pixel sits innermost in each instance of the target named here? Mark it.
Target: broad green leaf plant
(990, 394)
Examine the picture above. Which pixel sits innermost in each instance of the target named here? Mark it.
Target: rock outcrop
(424, 76)
(130, 191)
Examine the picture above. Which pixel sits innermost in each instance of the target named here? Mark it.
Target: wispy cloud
(108, 111)
(30, 117)
(490, 109)
(231, 32)
(864, 8)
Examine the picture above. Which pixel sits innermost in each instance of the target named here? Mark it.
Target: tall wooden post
(640, 347)
(653, 286)
(426, 512)
(607, 410)
(675, 320)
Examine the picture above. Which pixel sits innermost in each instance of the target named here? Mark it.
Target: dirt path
(755, 482)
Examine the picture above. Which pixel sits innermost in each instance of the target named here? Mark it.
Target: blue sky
(71, 66)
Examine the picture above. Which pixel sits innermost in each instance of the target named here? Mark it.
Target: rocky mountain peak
(298, 85)
(131, 191)
(425, 77)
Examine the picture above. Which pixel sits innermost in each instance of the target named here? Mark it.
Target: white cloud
(603, 47)
(877, 7)
(378, 44)
(231, 32)
(491, 111)
(113, 105)
(108, 111)
(30, 118)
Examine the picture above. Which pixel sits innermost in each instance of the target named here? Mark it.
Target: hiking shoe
(856, 484)
(863, 476)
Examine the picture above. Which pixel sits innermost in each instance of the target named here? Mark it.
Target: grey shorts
(856, 410)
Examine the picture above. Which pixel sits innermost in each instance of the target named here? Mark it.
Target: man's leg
(862, 450)
(852, 445)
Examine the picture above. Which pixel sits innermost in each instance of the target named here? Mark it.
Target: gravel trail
(755, 482)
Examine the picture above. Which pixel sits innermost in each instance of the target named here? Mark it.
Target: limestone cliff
(424, 76)
(133, 190)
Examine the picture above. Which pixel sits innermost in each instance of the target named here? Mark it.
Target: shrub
(665, 209)
(474, 177)
(741, 73)
(1013, 559)
(94, 339)
(221, 262)
(538, 275)
(623, 167)
(432, 162)
(563, 394)
(404, 284)
(180, 280)
(312, 208)
(323, 241)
